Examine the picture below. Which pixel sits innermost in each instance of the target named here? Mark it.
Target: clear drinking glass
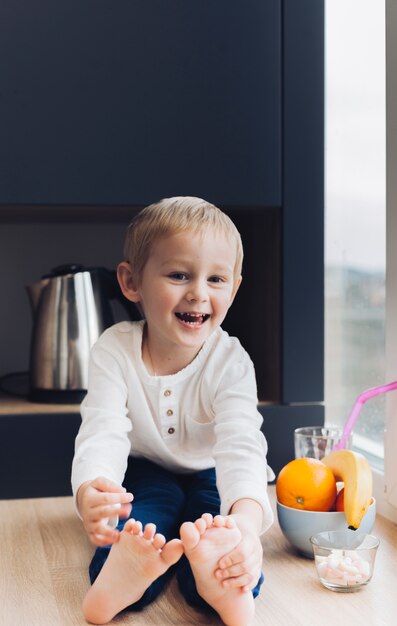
(316, 441)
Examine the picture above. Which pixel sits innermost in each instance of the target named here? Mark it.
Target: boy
(171, 412)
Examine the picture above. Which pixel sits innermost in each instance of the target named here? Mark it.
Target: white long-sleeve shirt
(203, 416)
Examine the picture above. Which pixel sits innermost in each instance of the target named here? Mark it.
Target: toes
(230, 522)
(136, 528)
(129, 525)
(172, 551)
(219, 521)
(190, 535)
(149, 532)
(158, 541)
(207, 517)
(201, 525)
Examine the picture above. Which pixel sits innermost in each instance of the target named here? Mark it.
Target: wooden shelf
(11, 405)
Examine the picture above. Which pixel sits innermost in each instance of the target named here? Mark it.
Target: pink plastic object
(358, 405)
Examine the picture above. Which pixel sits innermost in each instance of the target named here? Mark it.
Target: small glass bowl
(344, 559)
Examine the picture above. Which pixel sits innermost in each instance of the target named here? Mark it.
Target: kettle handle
(113, 292)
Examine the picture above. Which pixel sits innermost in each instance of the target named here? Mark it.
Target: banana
(353, 469)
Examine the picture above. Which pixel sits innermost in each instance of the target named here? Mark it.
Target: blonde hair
(171, 216)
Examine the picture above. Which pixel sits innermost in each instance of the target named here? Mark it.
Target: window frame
(385, 486)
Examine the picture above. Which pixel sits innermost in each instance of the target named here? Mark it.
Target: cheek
(165, 297)
(223, 301)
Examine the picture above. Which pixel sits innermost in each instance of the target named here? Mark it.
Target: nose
(197, 291)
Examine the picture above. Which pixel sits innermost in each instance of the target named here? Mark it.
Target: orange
(306, 484)
(340, 501)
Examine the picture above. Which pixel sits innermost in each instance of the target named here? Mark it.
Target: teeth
(193, 318)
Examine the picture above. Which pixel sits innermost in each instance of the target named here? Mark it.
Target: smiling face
(186, 289)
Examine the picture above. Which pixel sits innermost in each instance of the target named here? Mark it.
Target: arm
(242, 472)
(240, 447)
(248, 513)
(102, 447)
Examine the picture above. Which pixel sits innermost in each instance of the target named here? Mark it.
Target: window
(355, 216)
(358, 323)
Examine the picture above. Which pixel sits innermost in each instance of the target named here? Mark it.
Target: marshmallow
(343, 569)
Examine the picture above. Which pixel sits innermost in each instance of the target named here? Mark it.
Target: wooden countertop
(11, 405)
(45, 555)
(297, 598)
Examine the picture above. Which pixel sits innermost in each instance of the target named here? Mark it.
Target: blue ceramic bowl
(298, 526)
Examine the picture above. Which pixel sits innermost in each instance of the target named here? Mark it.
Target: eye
(178, 276)
(216, 279)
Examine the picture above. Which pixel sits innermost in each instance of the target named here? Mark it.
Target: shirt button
(167, 392)
(170, 412)
(171, 431)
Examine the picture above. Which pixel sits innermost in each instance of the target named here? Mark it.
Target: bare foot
(205, 542)
(134, 562)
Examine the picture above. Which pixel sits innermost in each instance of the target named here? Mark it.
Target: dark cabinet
(117, 104)
(128, 102)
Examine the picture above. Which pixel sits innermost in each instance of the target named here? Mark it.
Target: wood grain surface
(44, 559)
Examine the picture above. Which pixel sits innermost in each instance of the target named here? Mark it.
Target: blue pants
(167, 500)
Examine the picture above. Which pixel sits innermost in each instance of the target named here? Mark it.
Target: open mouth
(193, 319)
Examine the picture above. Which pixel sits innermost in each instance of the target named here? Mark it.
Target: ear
(235, 289)
(127, 282)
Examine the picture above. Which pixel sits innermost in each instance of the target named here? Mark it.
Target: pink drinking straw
(358, 405)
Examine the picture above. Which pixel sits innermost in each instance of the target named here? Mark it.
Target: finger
(102, 498)
(234, 570)
(250, 586)
(102, 528)
(105, 484)
(125, 511)
(101, 540)
(238, 581)
(233, 558)
(98, 540)
(98, 513)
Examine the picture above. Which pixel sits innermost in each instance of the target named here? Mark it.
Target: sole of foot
(134, 562)
(205, 542)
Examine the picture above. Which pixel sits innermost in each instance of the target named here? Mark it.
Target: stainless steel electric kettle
(71, 308)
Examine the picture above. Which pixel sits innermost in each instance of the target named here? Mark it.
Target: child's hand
(98, 500)
(242, 566)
